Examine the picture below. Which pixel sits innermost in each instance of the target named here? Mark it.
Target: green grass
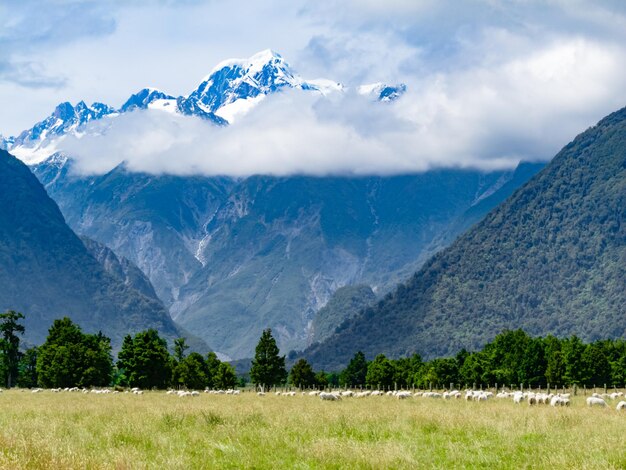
(154, 430)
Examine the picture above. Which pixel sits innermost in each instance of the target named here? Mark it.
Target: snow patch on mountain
(382, 91)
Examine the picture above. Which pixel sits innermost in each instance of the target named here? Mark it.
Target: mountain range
(551, 259)
(231, 256)
(232, 89)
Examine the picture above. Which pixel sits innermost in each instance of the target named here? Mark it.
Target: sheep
(555, 401)
(314, 393)
(260, 394)
(377, 393)
(621, 406)
(518, 397)
(532, 399)
(329, 396)
(402, 395)
(347, 393)
(596, 401)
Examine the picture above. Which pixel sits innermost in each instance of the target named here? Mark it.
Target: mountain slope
(157, 222)
(550, 260)
(46, 272)
(277, 250)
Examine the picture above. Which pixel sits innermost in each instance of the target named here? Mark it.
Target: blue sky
(489, 80)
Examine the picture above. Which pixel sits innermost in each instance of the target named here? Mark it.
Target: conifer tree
(268, 368)
(10, 345)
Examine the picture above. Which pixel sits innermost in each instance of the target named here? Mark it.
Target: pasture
(155, 430)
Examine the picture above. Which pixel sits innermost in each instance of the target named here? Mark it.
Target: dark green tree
(355, 373)
(555, 365)
(27, 376)
(70, 358)
(145, 360)
(10, 346)
(321, 379)
(213, 365)
(268, 367)
(191, 372)
(380, 372)
(596, 366)
(225, 377)
(302, 375)
(573, 349)
(180, 346)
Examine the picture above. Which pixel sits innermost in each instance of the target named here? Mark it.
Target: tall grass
(154, 430)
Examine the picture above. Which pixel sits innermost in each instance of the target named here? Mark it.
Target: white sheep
(329, 396)
(596, 401)
(403, 394)
(260, 394)
(518, 397)
(532, 399)
(621, 406)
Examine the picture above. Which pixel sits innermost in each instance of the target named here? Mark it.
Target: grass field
(74, 430)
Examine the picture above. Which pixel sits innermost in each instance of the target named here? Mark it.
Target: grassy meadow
(154, 430)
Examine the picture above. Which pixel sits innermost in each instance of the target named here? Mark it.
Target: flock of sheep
(518, 397)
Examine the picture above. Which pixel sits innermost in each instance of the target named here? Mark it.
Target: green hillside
(46, 272)
(551, 260)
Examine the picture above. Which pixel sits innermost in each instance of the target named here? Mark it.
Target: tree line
(512, 358)
(71, 358)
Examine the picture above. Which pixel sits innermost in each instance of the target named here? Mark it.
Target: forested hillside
(551, 260)
(46, 272)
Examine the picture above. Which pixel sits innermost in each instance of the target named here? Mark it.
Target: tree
(145, 360)
(573, 349)
(380, 372)
(302, 375)
(70, 358)
(27, 376)
(268, 368)
(10, 345)
(321, 379)
(212, 365)
(191, 372)
(355, 373)
(180, 346)
(225, 377)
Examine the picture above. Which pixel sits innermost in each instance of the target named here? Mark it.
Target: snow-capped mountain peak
(144, 98)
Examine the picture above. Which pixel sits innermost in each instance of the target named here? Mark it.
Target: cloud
(524, 109)
(30, 27)
(490, 81)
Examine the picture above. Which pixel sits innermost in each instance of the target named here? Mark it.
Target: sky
(489, 82)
